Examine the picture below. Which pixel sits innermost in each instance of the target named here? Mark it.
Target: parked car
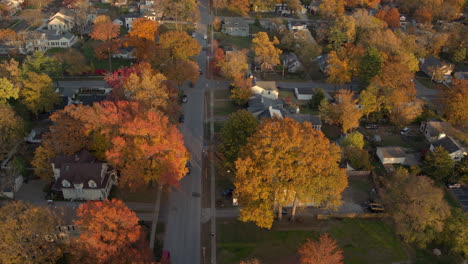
(189, 167)
(205, 36)
(181, 118)
(193, 35)
(191, 84)
(371, 126)
(184, 98)
(200, 71)
(404, 131)
(454, 186)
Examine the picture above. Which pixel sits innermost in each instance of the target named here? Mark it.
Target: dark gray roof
(393, 152)
(91, 99)
(431, 62)
(448, 144)
(305, 90)
(316, 120)
(82, 156)
(82, 173)
(258, 103)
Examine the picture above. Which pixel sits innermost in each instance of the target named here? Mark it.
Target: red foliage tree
(107, 228)
(424, 15)
(324, 251)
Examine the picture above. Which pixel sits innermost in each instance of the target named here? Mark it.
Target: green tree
(358, 159)
(317, 98)
(23, 228)
(460, 171)
(239, 126)
(38, 94)
(343, 30)
(370, 65)
(355, 139)
(7, 90)
(417, 207)
(272, 170)
(455, 234)
(40, 63)
(459, 55)
(438, 164)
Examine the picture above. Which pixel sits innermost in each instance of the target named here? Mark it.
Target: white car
(193, 35)
(454, 186)
(404, 131)
(205, 36)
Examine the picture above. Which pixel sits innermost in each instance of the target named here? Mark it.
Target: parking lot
(462, 197)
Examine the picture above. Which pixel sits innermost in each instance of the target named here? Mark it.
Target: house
(261, 106)
(56, 39)
(434, 130)
(235, 27)
(297, 25)
(433, 67)
(322, 62)
(315, 120)
(89, 96)
(82, 177)
(124, 53)
(291, 62)
(455, 150)
(129, 20)
(10, 8)
(303, 94)
(118, 22)
(266, 89)
(64, 20)
(391, 155)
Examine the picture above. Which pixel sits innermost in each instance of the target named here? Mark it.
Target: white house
(82, 177)
(266, 89)
(56, 39)
(455, 150)
(391, 155)
(124, 53)
(129, 20)
(304, 94)
(64, 20)
(118, 22)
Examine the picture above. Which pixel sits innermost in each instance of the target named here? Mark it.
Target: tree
(239, 126)
(460, 171)
(11, 127)
(179, 45)
(423, 15)
(234, 66)
(324, 251)
(147, 87)
(40, 63)
(338, 69)
(332, 8)
(107, 227)
(459, 55)
(392, 18)
(73, 62)
(417, 207)
(438, 164)
(343, 30)
(38, 94)
(23, 228)
(241, 91)
(7, 90)
(105, 31)
(145, 147)
(455, 103)
(370, 100)
(251, 261)
(240, 6)
(370, 65)
(358, 159)
(272, 170)
(317, 97)
(456, 224)
(266, 54)
(402, 108)
(33, 17)
(180, 71)
(344, 112)
(355, 139)
(143, 36)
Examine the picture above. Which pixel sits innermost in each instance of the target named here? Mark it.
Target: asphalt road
(182, 238)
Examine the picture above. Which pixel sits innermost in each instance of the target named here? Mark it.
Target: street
(182, 234)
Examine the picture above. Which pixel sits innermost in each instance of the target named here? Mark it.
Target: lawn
(232, 41)
(363, 241)
(224, 108)
(415, 143)
(88, 52)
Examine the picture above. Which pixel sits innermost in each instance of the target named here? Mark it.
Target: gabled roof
(448, 143)
(392, 152)
(316, 120)
(436, 127)
(267, 85)
(258, 104)
(235, 22)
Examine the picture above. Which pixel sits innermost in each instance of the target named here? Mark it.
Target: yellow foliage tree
(266, 54)
(286, 162)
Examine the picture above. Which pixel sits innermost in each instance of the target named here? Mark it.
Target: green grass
(142, 194)
(224, 107)
(232, 41)
(363, 241)
(88, 52)
(426, 257)
(362, 184)
(222, 94)
(417, 143)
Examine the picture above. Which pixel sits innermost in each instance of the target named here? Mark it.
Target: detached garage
(303, 93)
(391, 155)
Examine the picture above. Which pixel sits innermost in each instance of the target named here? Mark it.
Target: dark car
(227, 192)
(190, 84)
(189, 167)
(181, 118)
(200, 71)
(184, 98)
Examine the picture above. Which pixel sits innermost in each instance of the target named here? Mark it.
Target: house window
(64, 43)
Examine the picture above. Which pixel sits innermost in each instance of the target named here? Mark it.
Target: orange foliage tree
(424, 15)
(324, 251)
(105, 31)
(107, 228)
(143, 36)
(179, 45)
(241, 6)
(145, 147)
(272, 170)
(391, 17)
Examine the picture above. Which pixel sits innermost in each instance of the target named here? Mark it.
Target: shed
(391, 155)
(304, 94)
